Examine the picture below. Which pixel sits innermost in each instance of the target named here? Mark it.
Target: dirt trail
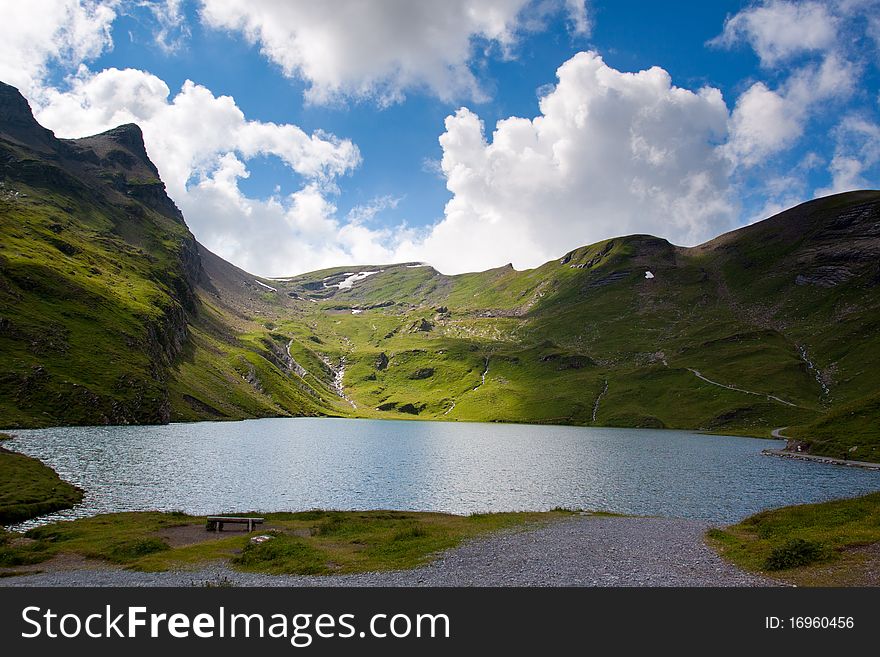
(697, 374)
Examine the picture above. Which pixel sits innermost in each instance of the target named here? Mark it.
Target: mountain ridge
(112, 312)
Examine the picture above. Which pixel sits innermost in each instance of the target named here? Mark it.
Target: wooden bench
(216, 522)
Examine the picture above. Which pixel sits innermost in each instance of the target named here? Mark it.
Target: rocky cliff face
(17, 122)
(120, 158)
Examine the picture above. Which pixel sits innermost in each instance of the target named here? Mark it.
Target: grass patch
(283, 554)
(119, 538)
(307, 543)
(28, 488)
(828, 544)
(21, 554)
(126, 551)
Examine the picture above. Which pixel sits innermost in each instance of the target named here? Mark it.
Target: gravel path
(743, 390)
(581, 551)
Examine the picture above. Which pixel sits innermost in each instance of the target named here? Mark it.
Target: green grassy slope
(783, 313)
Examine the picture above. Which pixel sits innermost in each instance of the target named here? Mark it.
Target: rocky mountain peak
(127, 138)
(17, 120)
(130, 137)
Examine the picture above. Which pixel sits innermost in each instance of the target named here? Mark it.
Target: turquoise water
(303, 463)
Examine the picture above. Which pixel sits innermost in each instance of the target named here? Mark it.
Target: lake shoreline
(29, 488)
(739, 433)
(816, 458)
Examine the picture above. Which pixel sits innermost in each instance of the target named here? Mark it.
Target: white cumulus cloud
(383, 48)
(611, 153)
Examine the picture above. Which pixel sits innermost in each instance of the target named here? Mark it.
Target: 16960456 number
(821, 622)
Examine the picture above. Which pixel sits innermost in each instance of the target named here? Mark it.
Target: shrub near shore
(834, 543)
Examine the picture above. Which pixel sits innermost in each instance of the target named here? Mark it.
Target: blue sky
(353, 136)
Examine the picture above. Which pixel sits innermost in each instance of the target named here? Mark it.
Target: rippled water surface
(304, 463)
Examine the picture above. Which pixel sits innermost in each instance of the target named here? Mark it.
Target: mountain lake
(292, 464)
